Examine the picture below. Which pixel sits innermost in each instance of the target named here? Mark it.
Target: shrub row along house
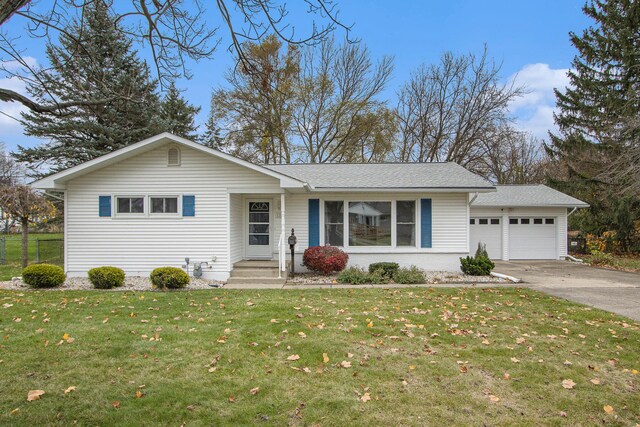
(164, 199)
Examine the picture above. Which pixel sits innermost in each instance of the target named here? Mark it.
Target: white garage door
(532, 238)
(489, 232)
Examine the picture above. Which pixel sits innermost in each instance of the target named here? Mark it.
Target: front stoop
(249, 272)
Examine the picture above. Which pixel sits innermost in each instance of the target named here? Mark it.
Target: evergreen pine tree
(177, 115)
(602, 100)
(104, 69)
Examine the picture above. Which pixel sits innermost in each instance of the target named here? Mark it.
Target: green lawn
(422, 357)
(49, 252)
(619, 262)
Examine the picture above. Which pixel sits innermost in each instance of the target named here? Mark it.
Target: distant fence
(41, 250)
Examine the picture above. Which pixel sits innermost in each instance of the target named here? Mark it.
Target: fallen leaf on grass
(325, 358)
(34, 395)
(506, 376)
(70, 389)
(568, 384)
(115, 404)
(366, 397)
(232, 399)
(515, 360)
(139, 394)
(595, 381)
(14, 411)
(493, 398)
(464, 369)
(608, 409)
(345, 364)
(293, 357)
(254, 391)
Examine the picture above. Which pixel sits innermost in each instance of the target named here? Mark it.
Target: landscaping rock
(131, 283)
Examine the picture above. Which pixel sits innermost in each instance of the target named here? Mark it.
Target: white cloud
(534, 110)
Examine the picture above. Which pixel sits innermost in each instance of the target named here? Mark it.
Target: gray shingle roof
(527, 195)
(384, 175)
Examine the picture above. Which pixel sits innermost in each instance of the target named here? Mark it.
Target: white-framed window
(334, 223)
(405, 223)
(370, 223)
(173, 156)
(355, 223)
(163, 204)
(130, 205)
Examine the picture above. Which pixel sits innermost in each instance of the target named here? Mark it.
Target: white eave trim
(538, 205)
(57, 180)
(405, 190)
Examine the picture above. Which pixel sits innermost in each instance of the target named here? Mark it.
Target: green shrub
(482, 251)
(601, 258)
(353, 276)
(377, 277)
(387, 269)
(169, 278)
(43, 276)
(409, 276)
(106, 277)
(480, 266)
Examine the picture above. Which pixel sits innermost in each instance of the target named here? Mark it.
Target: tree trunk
(9, 7)
(25, 242)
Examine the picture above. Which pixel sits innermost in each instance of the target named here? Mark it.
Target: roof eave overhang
(405, 189)
(581, 206)
(58, 180)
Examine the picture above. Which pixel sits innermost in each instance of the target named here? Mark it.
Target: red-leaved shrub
(325, 259)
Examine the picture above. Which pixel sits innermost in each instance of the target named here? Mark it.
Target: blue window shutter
(188, 205)
(314, 222)
(425, 223)
(104, 205)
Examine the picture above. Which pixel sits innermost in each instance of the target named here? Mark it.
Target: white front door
(259, 229)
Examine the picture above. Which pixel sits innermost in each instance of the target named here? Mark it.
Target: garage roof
(369, 176)
(527, 195)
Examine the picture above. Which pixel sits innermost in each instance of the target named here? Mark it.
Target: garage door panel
(532, 238)
(489, 232)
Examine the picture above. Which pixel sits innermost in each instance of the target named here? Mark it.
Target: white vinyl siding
(140, 244)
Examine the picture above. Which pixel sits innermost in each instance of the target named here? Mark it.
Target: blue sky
(529, 38)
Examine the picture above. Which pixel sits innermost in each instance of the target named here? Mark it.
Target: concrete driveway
(611, 290)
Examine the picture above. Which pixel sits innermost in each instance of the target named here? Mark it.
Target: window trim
(324, 223)
(179, 162)
(142, 214)
(178, 198)
(367, 249)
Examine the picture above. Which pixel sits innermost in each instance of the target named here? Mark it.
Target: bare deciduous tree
(513, 157)
(339, 87)
(174, 31)
(450, 111)
(25, 206)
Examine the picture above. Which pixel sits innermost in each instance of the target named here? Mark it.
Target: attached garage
(533, 238)
(487, 231)
(521, 222)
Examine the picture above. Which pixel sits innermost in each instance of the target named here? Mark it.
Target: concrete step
(256, 264)
(255, 272)
(251, 280)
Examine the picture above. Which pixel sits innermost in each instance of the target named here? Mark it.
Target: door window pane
(537, 221)
(259, 217)
(495, 221)
(370, 223)
(258, 239)
(513, 220)
(405, 223)
(259, 228)
(334, 223)
(548, 221)
(524, 221)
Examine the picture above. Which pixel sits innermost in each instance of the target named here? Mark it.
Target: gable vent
(173, 157)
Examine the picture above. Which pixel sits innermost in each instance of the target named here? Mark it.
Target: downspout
(475, 196)
(574, 209)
